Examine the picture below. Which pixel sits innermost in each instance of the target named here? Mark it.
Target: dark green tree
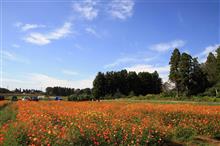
(99, 86)
(198, 81)
(210, 68)
(174, 75)
(133, 83)
(185, 69)
(218, 63)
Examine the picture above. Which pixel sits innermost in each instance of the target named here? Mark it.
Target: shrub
(117, 95)
(14, 98)
(80, 97)
(168, 94)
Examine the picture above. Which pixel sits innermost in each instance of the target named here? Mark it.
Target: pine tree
(198, 81)
(218, 63)
(99, 85)
(210, 68)
(185, 68)
(174, 75)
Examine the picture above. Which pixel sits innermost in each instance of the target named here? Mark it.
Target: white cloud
(121, 9)
(69, 72)
(43, 39)
(6, 55)
(41, 81)
(87, 9)
(37, 38)
(162, 70)
(204, 54)
(120, 61)
(26, 27)
(162, 47)
(138, 58)
(92, 31)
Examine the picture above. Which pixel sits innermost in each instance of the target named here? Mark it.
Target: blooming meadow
(107, 123)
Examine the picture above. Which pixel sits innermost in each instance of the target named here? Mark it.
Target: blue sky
(65, 43)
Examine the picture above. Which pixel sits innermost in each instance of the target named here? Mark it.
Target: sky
(67, 42)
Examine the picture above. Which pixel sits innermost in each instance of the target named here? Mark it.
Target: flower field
(109, 123)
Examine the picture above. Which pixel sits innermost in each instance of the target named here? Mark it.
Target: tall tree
(174, 75)
(133, 82)
(210, 68)
(99, 86)
(185, 68)
(218, 63)
(198, 81)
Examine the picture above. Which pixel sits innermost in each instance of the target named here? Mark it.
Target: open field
(110, 123)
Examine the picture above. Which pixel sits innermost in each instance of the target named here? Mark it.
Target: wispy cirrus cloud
(121, 61)
(163, 47)
(129, 60)
(121, 9)
(10, 56)
(28, 26)
(92, 31)
(87, 9)
(42, 81)
(204, 54)
(69, 72)
(43, 39)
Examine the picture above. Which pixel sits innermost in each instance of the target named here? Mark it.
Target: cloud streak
(69, 72)
(26, 27)
(9, 56)
(163, 47)
(204, 54)
(41, 81)
(43, 39)
(92, 31)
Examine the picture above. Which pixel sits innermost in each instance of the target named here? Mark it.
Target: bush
(117, 95)
(80, 97)
(168, 94)
(14, 98)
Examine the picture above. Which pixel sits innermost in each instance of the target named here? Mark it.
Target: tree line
(125, 83)
(189, 76)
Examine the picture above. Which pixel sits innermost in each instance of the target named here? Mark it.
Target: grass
(8, 112)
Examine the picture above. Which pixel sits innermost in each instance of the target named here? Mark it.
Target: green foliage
(14, 98)
(218, 63)
(81, 95)
(187, 74)
(59, 91)
(217, 135)
(16, 136)
(184, 134)
(7, 113)
(167, 94)
(123, 82)
(117, 95)
(210, 68)
(174, 75)
(99, 85)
